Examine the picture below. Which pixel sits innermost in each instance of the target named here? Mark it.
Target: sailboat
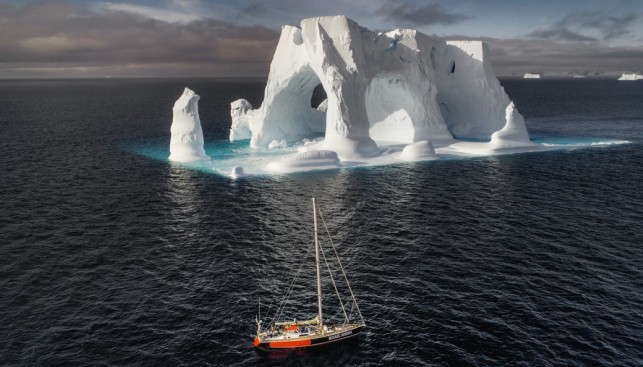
(279, 335)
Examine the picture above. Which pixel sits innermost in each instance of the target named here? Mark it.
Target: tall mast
(319, 291)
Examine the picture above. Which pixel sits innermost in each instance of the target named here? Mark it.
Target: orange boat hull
(306, 342)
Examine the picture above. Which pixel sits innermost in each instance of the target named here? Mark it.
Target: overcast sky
(140, 38)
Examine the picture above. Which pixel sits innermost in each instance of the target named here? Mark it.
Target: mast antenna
(319, 290)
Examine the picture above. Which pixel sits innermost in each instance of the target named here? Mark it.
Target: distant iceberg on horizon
(631, 76)
(531, 76)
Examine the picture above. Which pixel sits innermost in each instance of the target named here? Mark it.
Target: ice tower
(186, 143)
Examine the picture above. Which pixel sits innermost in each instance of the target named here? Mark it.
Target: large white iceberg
(531, 76)
(186, 143)
(632, 76)
(383, 89)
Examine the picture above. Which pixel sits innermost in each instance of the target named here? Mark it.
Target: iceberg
(415, 151)
(186, 142)
(531, 76)
(399, 88)
(303, 161)
(392, 97)
(514, 134)
(632, 76)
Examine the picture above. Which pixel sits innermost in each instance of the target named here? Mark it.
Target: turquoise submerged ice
(227, 156)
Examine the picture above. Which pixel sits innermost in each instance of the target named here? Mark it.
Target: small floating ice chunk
(237, 172)
(418, 150)
(278, 144)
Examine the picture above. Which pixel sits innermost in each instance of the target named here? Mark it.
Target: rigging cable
(341, 267)
(282, 305)
(334, 285)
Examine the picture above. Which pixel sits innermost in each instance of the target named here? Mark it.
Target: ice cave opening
(390, 109)
(318, 96)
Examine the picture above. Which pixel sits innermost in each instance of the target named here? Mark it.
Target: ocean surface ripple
(108, 257)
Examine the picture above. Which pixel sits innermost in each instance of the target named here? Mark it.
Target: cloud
(51, 45)
(561, 33)
(255, 7)
(398, 11)
(61, 35)
(164, 15)
(517, 56)
(588, 26)
(64, 38)
(609, 26)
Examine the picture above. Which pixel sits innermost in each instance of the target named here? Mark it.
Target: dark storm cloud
(609, 26)
(57, 33)
(62, 38)
(254, 8)
(561, 34)
(575, 26)
(398, 11)
(517, 56)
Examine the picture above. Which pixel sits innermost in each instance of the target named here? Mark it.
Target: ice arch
(401, 85)
(285, 113)
(286, 110)
(393, 110)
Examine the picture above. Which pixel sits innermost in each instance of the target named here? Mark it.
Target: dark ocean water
(109, 257)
